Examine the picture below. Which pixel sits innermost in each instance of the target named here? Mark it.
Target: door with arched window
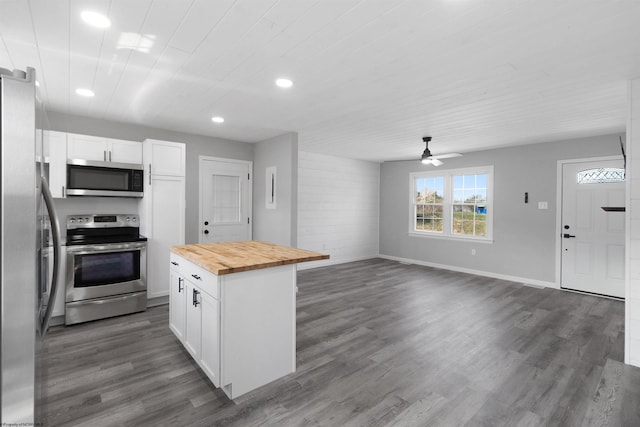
(592, 234)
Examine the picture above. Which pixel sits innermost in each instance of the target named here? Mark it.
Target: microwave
(94, 178)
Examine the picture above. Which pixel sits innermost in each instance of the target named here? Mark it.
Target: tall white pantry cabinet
(162, 210)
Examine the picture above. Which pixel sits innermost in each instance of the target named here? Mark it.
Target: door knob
(206, 231)
(567, 235)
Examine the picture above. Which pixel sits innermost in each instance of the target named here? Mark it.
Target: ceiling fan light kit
(434, 162)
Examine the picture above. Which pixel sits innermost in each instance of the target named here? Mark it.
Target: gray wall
(196, 145)
(524, 237)
(278, 225)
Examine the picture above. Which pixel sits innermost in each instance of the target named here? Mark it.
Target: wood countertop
(234, 257)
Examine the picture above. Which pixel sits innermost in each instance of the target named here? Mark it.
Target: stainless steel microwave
(94, 178)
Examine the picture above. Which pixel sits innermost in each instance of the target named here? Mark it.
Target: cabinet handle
(109, 155)
(195, 298)
(63, 195)
(195, 276)
(104, 155)
(174, 263)
(180, 287)
(149, 174)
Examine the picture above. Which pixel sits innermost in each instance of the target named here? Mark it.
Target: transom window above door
(455, 203)
(600, 176)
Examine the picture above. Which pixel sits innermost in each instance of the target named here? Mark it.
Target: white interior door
(225, 200)
(593, 238)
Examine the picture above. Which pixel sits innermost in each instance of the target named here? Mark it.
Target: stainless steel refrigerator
(29, 233)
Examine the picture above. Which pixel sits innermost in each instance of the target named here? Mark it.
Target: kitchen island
(233, 307)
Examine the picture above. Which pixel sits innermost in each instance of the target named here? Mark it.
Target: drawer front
(178, 264)
(205, 280)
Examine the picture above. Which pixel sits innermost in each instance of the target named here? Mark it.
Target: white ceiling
(370, 77)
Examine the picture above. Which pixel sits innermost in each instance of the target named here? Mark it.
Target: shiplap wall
(632, 300)
(337, 207)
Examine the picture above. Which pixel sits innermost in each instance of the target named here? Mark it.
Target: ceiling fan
(429, 159)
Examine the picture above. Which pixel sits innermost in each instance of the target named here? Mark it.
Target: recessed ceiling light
(284, 83)
(85, 92)
(217, 119)
(95, 19)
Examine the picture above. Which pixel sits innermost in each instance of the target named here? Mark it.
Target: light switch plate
(543, 205)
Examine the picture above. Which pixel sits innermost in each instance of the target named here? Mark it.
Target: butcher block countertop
(235, 257)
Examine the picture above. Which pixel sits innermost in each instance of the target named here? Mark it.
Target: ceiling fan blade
(446, 156)
(435, 162)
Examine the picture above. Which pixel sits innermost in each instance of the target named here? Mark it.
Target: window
(600, 176)
(429, 203)
(454, 203)
(470, 204)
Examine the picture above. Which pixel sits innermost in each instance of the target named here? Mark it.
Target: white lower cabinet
(210, 347)
(193, 330)
(240, 328)
(177, 304)
(194, 315)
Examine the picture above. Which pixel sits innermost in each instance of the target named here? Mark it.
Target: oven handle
(110, 247)
(55, 234)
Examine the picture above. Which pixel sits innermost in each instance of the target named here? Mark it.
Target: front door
(593, 197)
(225, 200)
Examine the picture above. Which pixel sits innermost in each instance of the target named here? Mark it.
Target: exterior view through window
(470, 205)
(429, 203)
(453, 203)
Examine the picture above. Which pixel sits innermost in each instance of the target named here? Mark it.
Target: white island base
(240, 328)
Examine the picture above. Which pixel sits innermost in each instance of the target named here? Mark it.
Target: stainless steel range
(106, 267)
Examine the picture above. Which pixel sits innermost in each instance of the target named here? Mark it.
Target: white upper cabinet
(125, 151)
(55, 146)
(86, 147)
(164, 157)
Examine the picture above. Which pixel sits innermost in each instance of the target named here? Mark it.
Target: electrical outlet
(473, 251)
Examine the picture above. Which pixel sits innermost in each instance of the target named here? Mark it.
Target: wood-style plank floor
(379, 344)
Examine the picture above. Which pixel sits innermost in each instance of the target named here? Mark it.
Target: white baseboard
(152, 302)
(328, 262)
(523, 280)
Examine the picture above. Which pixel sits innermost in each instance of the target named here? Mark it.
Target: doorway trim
(559, 187)
(249, 163)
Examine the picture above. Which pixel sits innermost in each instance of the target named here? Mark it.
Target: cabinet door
(210, 356)
(193, 330)
(86, 147)
(57, 154)
(122, 151)
(164, 157)
(164, 210)
(177, 304)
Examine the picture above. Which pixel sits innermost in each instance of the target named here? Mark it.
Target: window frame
(447, 209)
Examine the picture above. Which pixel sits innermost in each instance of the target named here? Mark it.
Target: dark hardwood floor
(379, 343)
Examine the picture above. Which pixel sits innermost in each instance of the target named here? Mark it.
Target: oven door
(95, 271)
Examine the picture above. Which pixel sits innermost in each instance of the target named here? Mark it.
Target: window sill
(450, 237)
